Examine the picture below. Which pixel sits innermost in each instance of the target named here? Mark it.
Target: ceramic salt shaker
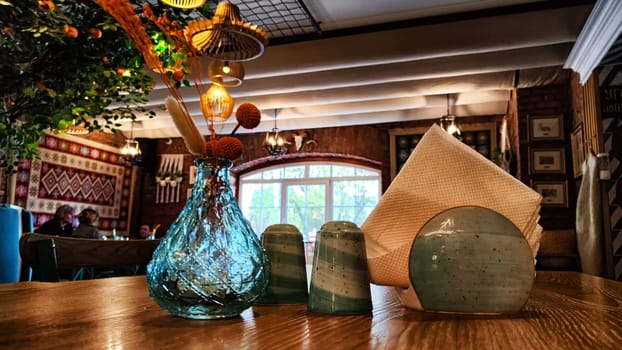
(288, 275)
(340, 275)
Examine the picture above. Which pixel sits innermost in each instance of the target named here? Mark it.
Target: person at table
(60, 224)
(88, 219)
(147, 233)
(144, 231)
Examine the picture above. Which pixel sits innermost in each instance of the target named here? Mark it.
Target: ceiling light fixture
(77, 129)
(131, 149)
(216, 104)
(184, 4)
(225, 73)
(226, 36)
(274, 144)
(448, 122)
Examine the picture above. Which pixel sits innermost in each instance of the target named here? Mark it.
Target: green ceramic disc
(471, 260)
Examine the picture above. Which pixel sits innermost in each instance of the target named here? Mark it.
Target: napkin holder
(442, 173)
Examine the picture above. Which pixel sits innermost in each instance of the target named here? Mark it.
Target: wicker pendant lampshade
(225, 36)
(225, 73)
(216, 104)
(184, 4)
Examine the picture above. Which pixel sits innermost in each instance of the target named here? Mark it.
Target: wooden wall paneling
(514, 134)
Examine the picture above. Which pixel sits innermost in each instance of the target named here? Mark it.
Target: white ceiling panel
(349, 74)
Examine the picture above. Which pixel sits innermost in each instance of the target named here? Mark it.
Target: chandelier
(131, 149)
(448, 122)
(274, 144)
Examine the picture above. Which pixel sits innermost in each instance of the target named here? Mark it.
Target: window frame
(328, 182)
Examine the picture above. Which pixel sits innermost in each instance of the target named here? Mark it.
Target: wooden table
(567, 310)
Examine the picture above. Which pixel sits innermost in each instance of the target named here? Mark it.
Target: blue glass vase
(210, 264)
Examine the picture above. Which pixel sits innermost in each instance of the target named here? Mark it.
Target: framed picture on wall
(547, 160)
(554, 193)
(546, 128)
(578, 151)
(481, 137)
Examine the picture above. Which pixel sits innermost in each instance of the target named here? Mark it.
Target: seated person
(88, 225)
(144, 232)
(60, 224)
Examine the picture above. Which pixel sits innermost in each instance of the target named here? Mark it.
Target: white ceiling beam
(601, 30)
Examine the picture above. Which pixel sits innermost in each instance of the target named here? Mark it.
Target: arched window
(308, 194)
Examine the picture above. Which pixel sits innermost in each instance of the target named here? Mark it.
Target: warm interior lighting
(225, 73)
(274, 144)
(216, 104)
(226, 69)
(77, 129)
(184, 4)
(225, 36)
(448, 122)
(131, 149)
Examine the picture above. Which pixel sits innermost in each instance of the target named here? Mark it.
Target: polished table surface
(566, 310)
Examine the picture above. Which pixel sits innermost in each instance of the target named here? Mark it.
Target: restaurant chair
(47, 255)
(558, 251)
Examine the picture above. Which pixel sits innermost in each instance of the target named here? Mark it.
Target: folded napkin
(441, 173)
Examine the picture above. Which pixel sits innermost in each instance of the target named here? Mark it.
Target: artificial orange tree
(63, 63)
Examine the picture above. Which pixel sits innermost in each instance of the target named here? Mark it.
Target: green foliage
(51, 81)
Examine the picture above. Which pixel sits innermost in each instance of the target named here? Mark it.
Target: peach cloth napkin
(440, 174)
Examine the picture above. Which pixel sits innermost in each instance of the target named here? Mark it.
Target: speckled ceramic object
(340, 276)
(471, 260)
(288, 275)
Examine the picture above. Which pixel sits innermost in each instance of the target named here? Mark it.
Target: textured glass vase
(210, 264)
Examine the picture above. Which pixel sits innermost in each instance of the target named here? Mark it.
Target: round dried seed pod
(248, 115)
(228, 147)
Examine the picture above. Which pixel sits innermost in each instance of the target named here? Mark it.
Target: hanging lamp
(77, 129)
(184, 4)
(131, 149)
(225, 73)
(216, 104)
(448, 122)
(274, 144)
(226, 36)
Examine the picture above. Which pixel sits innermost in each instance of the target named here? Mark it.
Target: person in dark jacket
(60, 224)
(88, 219)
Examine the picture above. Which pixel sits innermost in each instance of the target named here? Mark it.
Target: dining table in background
(566, 310)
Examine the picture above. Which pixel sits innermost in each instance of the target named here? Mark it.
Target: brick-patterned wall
(370, 142)
(545, 101)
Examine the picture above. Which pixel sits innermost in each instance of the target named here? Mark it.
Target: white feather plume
(195, 142)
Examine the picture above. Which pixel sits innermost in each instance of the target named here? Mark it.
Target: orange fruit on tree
(178, 74)
(95, 33)
(46, 5)
(70, 32)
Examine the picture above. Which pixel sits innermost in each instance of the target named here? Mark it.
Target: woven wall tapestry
(78, 174)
